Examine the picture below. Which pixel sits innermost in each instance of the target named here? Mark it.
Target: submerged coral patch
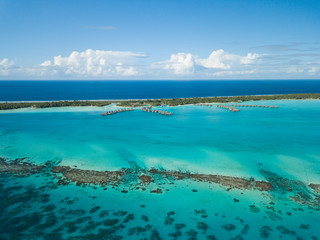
(136, 178)
(265, 231)
(33, 212)
(229, 227)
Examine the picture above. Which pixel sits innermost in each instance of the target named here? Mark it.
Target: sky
(167, 39)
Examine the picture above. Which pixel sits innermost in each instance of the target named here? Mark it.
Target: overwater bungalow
(148, 109)
(249, 105)
(116, 111)
(232, 109)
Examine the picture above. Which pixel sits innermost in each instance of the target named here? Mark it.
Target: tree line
(157, 102)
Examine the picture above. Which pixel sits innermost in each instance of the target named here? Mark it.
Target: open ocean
(166, 191)
(93, 90)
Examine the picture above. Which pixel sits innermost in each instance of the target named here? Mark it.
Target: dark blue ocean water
(94, 90)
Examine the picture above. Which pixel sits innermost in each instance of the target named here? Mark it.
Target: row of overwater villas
(252, 105)
(148, 109)
(145, 109)
(116, 111)
(232, 109)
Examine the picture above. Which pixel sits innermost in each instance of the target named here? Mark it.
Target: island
(155, 102)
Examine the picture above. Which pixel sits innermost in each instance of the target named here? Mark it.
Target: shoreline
(119, 107)
(8, 105)
(154, 99)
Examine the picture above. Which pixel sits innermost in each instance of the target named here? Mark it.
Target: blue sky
(159, 39)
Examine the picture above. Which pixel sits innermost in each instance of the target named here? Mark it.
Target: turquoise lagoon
(283, 142)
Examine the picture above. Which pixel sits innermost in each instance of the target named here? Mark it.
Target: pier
(107, 113)
(253, 105)
(232, 109)
(149, 109)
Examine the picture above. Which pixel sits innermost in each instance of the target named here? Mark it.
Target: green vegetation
(184, 101)
(15, 105)
(156, 102)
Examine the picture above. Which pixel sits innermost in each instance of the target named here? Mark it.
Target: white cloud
(314, 69)
(100, 64)
(188, 64)
(217, 59)
(5, 66)
(5, 63)
(249, 59)
(46, 63)
(229, 73)
(94, 63)
(181, 63)
(220, 59)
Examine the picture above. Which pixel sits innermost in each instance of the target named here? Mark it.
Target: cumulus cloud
(94, 63)
(189, 64)
(219, 64)
(181, 63)
(217, 59)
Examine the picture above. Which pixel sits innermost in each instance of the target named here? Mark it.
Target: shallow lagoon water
(198, 139)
